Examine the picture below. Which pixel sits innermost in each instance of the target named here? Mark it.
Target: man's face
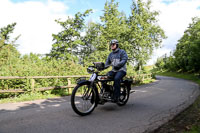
(113, 46)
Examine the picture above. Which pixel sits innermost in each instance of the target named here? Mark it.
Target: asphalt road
(148, 108)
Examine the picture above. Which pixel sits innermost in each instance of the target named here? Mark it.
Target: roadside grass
(148, 81)
(187, 121)
(186, 76)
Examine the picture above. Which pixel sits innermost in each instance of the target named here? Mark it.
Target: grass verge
(189, 120)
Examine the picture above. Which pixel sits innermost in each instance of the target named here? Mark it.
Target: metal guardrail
(141, 77)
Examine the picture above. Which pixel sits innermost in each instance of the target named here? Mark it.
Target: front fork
(93, 86)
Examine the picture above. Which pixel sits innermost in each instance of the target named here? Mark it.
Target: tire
(124, 95)
(83, 99)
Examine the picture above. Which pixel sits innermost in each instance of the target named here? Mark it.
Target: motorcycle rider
(117, 59)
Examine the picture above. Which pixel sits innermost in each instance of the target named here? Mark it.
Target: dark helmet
(114, 41)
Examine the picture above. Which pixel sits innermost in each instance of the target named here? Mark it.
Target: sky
(36, 20)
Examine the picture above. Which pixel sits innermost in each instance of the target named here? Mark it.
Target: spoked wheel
(83, 99)
(124, 95)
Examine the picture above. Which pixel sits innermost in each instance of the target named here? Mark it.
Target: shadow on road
(39, 104)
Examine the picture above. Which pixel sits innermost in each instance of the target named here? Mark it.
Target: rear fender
(128, 83)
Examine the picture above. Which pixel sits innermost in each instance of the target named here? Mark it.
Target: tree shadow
(37, 104)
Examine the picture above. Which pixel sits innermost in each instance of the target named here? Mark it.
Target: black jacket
(117, 59)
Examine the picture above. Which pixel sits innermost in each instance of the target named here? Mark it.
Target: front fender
(84, 82)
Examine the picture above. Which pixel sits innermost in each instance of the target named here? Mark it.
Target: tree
(187, 53)
(69, 38)
(6, 31)
(8, 51)
(186, 56)
(5, 35)
(145, 34)
(160, 63)
(138, 35)
(90, 40)
(113, 26)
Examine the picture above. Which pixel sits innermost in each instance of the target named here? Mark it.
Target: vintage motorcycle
(97, 90)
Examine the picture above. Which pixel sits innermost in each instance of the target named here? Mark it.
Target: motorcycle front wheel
(83, 99)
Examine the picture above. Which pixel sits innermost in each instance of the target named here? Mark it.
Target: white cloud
(174, 18)
(35, 23)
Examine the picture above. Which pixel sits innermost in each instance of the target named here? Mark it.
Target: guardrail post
(69, 83)
(143, 78)
(32, 85)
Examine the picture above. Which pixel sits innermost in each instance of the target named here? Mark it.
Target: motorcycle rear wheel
(124, 95)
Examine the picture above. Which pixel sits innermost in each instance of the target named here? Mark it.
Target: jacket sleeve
(124, 58)
(108, 62)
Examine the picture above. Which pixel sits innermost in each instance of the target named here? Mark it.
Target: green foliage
(186, 57)
(145, 34)
(195, 129)
(90, 41)
(13, 64)
(6, 31)
(69, 38)
(138, 35)
(187, 50)
(8, 51)
(112, 25)
(160, 63)
(35, 65)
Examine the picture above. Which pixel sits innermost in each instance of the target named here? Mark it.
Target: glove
(116, 67)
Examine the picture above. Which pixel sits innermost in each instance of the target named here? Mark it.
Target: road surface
(149, 107)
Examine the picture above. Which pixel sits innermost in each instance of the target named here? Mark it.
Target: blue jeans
(117, 79)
